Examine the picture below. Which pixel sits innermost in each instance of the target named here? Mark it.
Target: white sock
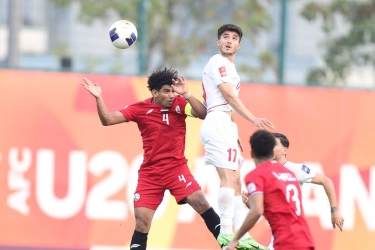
(240, 213)
(226, 209)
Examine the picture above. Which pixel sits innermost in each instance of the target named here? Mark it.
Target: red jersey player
(161, 121)
(274, 191)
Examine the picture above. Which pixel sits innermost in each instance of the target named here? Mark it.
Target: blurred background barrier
(299, 42)
(66, 182)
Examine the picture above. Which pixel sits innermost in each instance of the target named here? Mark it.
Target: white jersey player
(220, 70)
(303, 173)
(219, 133)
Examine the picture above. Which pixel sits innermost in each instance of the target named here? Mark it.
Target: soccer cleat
(224, 239)
(250, 244)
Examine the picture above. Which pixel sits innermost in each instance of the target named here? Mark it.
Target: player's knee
(202, 202)
(198, 202)
(142, 225)
(201, 206)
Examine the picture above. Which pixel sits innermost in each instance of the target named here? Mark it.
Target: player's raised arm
(180, 86)
(235, 102)
(336, 218)
(107, 118)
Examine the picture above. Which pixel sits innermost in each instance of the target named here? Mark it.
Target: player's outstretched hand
(263, 123)
(93, 88)
(180, 85)
(337, 220)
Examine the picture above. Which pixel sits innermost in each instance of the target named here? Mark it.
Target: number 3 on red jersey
(291, 188)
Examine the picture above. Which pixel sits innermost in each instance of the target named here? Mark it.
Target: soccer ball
(123, 34)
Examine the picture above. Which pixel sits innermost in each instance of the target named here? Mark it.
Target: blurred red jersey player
(274, 192)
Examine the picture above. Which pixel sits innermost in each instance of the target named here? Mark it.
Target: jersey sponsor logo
(251, 187)
(125, 107)
(306, 169)
(134, 246)
(222, 71)
(148, 112)
(137, 197)
(178, 109)
(284, 176)
(188, 185)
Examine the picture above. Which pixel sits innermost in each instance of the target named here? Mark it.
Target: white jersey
(218, 70)
(303, 173)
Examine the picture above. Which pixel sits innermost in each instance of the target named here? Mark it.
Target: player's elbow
(105, 121)
(109, 119)
(199, 113)
(327, 182)
(203, 114)
(258, 210)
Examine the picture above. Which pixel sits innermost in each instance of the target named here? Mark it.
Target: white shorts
(219, 136)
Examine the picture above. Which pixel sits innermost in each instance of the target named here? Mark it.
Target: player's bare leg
(198, 202)
(143, 219)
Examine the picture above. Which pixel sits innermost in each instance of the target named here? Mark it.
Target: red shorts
(151, 186)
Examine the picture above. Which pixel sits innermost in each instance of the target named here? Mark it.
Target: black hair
(229, 27)
(283, 139)
(262, 143)
(161, 77)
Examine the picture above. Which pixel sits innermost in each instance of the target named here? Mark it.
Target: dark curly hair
(262, 143)
(229, 27)
(162, 77)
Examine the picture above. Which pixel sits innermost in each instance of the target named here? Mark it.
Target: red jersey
(282, 205)
(163, 132)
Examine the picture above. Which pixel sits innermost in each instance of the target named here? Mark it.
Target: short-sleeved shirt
(282, 205)
(303, 173)
(218, 70)
(163, 132)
